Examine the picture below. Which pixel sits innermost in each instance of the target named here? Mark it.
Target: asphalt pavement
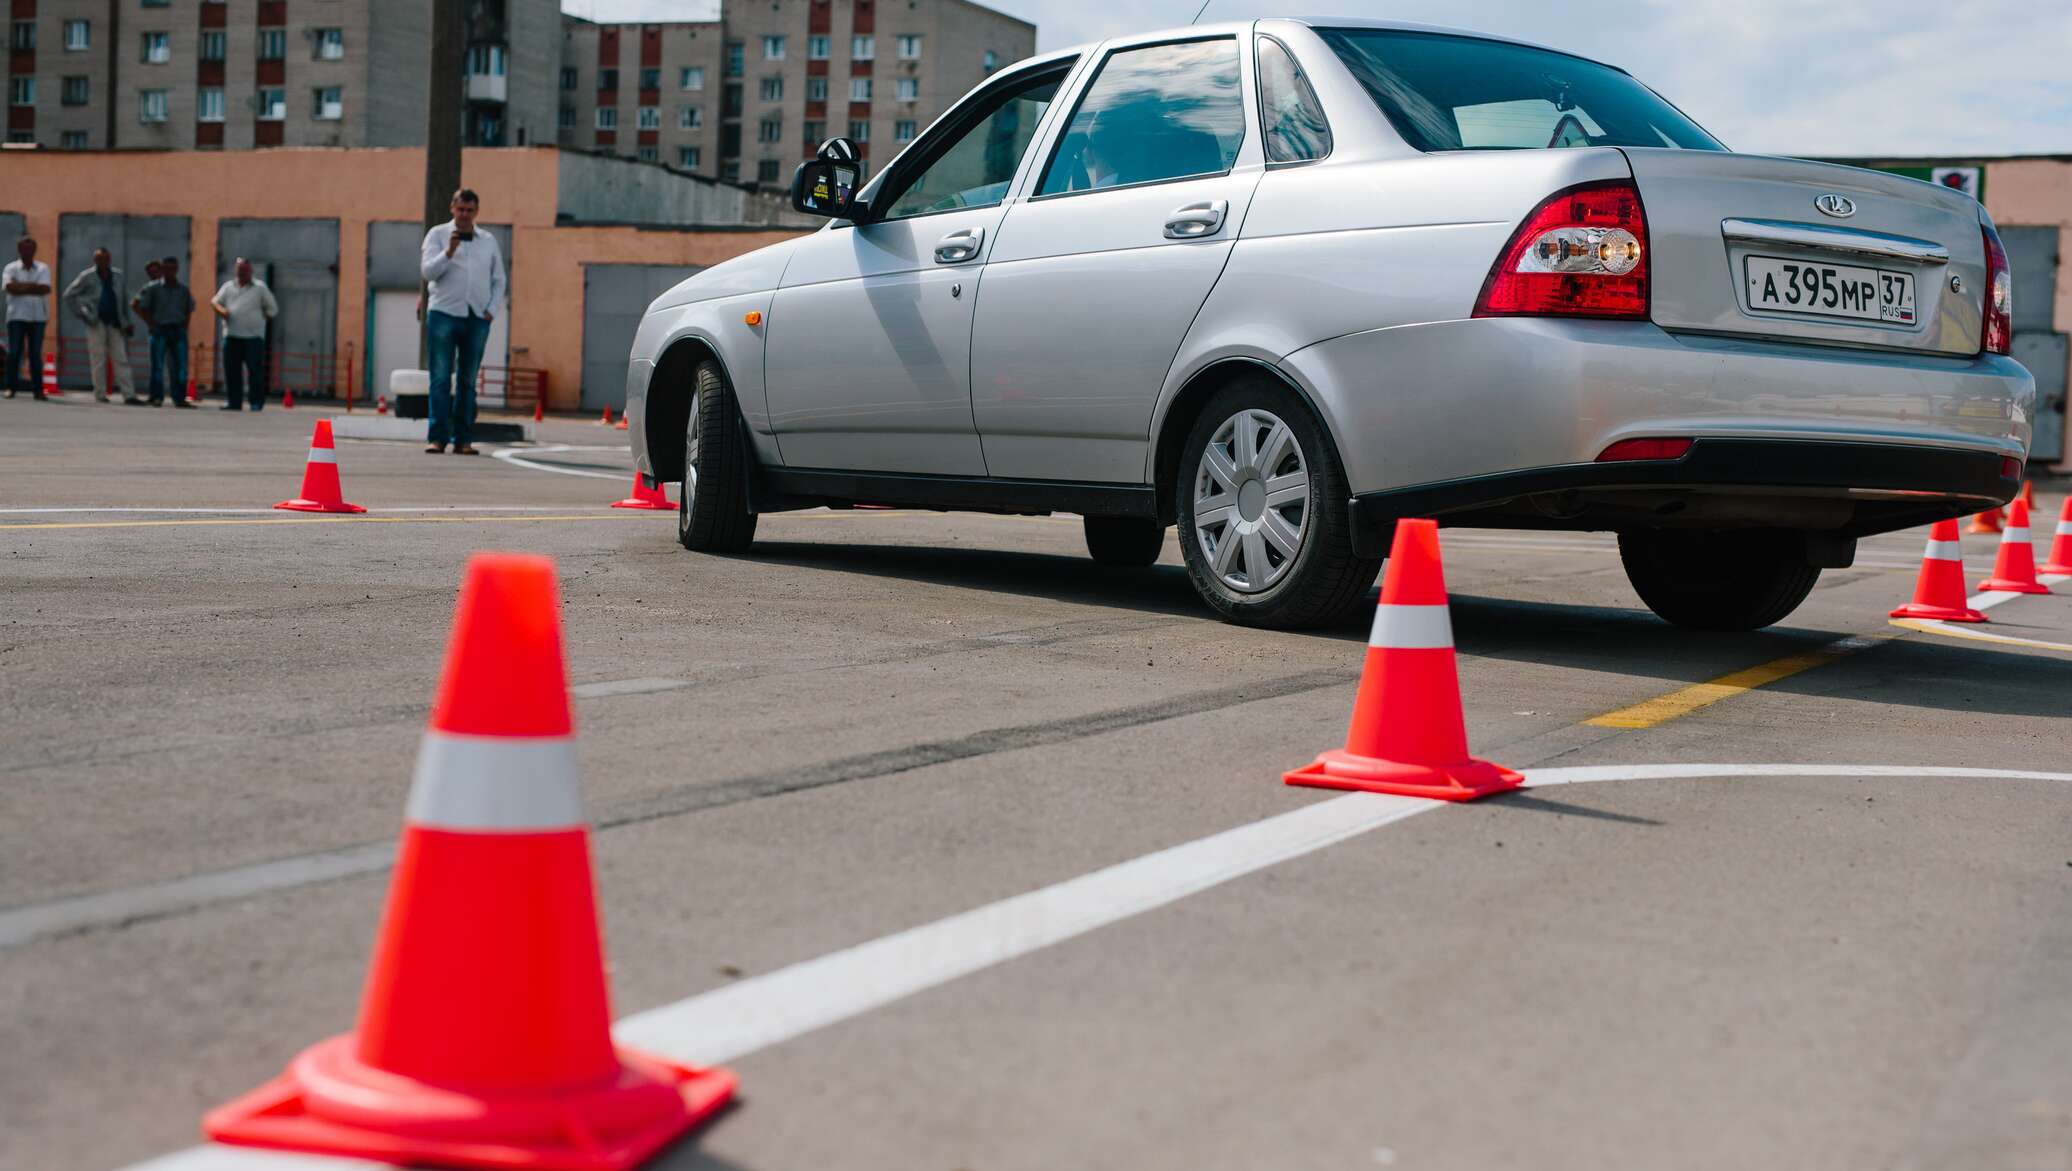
(1051, 791)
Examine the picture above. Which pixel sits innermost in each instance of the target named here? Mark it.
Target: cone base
(2055, 569)
(1938, 613)
(300, 505)
(648, 505)
(329, 1103)
(1339, 769)
(2009, 586)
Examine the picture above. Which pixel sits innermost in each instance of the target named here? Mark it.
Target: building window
(568, 118)
(273, 105)
(766, 170)
(273, 44)
(737, 59)
(689, 117)
(648, 118)
(730, 170)
(688, 157)
(158, 3)
(21, 91)
(820, 48)
(730, 100)
(73, 140)
(151, 105)
(568, 77)
(22, 137)
(859, 89)
(905, 129)
(483, 60)
(816, 89)
(651, 79)
(607, 117)
(910, 48)
(692, 77)
(158, 49)
(992, 60)
(863, 48)
(909, 89)
(859, 131)
(773, 48)
(327, 104)
(24, 36)
(77, 90)
(770, 130)
(773, 89)
(608, 79)
(213, 45)
(208, 104)
(79, 36)
(330, 44)
(646, 154)
(815, 132)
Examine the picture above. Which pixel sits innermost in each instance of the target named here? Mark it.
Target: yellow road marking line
(1929, 627)
(1684, 700)
(320, 520)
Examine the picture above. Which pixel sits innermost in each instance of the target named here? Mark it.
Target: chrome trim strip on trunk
(1854, 241)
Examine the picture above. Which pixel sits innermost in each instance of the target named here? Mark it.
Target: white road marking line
(625, 687)
(734, 1021)
(510, 455)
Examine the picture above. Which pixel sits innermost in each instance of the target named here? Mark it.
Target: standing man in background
(96, 296)
(27, 282)
(245, 305)
(464, 273)
(165, 305)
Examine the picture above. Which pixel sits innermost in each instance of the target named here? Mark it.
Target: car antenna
(1204, 8)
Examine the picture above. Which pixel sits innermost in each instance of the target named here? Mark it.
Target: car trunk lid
(1751, 245)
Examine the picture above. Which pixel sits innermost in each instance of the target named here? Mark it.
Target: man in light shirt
(245, 304)
(97, 298)
(27, 282)
(464, 275)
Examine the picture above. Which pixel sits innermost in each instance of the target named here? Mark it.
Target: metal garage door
(298, 260)
(133, 241)
(2032, 252)
(614, 298)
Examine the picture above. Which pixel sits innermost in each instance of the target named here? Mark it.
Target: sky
(1795, 77)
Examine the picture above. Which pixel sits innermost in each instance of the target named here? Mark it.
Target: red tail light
(1633, 449)
(1999, 331)
(1582, 253)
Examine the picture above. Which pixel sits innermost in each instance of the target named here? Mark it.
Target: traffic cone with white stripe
(2014, 570)
(320, 488)
(1407, 735)
(1939, 590)
(484, 1037)
(2061, 543)
(655, 499)
(50, 378)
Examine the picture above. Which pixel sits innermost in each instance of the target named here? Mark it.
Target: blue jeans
(24, 340)
(169, 355)
(456, 344)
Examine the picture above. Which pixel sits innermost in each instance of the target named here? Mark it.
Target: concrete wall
(603, 189)
(2039, 192)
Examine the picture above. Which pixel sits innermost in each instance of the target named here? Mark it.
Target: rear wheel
(1130, 541)
(1719, 581)
(712, 514)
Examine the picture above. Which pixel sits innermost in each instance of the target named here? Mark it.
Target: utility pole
(442, 123)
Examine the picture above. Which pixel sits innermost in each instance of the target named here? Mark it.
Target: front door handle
(959, 246)
(1196, 220)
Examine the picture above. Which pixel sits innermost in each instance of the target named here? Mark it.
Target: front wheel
(1718, 581)
(712, 514)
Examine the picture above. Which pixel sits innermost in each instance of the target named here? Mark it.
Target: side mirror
(826, 186)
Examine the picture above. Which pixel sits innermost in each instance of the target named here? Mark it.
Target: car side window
(1289, 113)
(971, 166)
(1153, 114)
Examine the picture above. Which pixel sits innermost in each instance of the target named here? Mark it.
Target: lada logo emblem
(1839, 206)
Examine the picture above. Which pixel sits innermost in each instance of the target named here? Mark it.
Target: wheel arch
(668, 408)
(1187, 403)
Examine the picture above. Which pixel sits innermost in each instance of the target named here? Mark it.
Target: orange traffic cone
(484, 1037)
(607, 420)
(1939, 591)
(320, 489)
(381, 405)
(655, 499)
(1407, 736)
(2014, 570)
(287, 399)
(50, 379)
(191, 396)
(2028, 494)
(539, 409)
(2061, 543)
(1985, 522)
(622, 422)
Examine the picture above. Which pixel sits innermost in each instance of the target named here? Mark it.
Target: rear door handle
(959, 246)
(1196, 220)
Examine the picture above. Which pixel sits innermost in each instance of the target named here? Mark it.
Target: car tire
(1323, 581)
(712, 513)
(1718, 581)
(1128, 541)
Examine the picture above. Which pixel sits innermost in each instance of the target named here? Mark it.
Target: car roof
(1314, 22)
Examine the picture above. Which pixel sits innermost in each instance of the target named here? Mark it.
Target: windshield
(1464, 93)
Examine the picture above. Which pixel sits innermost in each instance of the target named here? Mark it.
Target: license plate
(1830, 290)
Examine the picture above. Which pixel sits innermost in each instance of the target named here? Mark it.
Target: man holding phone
(464, 276)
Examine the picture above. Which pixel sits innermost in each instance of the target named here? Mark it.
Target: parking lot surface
(879, 721)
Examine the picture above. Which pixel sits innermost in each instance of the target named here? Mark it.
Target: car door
(1097, 275)
(868, 346)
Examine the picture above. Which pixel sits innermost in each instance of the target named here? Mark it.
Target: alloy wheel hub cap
(1251, 501)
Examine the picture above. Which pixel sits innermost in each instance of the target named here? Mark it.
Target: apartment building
(236, 74)
(746, 97)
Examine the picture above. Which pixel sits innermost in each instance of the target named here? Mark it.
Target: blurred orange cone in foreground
(1407, 735)
(320, 489)
(1939, 590)
(484, 1037)
(2014, 570)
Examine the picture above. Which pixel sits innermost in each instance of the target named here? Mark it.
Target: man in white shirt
(245, 304)
(27, 282)
(464, 273)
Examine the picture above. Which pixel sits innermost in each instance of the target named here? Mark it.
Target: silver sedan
(1281, 283)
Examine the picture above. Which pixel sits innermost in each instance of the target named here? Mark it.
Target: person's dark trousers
(244, 358)
(169, 358)
(25, 341)
(456, 350)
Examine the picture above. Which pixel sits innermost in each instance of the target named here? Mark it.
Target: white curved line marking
(511, 456)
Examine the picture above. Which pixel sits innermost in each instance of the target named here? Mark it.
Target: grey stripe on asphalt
(625, 687)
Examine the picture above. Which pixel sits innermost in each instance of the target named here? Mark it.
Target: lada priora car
(1281, 283)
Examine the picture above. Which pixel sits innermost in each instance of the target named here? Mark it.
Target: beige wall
(2038, 192)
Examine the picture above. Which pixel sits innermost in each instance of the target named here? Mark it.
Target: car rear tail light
(1581, 253)
(1999, 331)
(1632, 449)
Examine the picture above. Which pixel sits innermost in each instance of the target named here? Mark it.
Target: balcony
(485, 73)
(487, 87)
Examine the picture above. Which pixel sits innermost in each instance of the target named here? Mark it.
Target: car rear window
(1464, 93)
